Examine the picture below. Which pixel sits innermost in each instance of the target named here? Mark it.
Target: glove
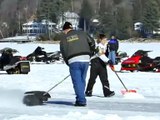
(110, 62)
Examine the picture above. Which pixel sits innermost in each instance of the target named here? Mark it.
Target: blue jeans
(78, 71)
(112, 56)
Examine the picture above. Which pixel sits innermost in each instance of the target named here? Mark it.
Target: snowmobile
(140, 61)
(156, 61)
(13, 64)
(120, 55)
(39, 55)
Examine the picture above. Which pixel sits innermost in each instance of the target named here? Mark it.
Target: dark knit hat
(101, 36)
(67, 25)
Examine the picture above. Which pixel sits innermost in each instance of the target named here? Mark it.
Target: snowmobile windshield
(141, 53)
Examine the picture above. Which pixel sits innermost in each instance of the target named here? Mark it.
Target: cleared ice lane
(122, 106)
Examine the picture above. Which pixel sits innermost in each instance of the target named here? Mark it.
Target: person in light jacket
(98, 68)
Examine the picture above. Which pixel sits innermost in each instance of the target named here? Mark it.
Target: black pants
(98, 68)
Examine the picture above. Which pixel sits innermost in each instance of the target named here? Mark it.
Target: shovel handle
(56, 84)
(120, 80)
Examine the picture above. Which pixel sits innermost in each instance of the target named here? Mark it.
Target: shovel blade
(33, 98)
(128, 91)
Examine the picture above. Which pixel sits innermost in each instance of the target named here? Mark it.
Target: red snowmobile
(140, 61)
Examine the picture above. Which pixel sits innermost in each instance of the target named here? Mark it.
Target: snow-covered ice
(143, 105)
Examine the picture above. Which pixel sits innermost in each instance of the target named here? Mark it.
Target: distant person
(112, 48)
(76, 48)
(98, 68)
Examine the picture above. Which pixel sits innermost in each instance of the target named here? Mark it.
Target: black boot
(110, 94)
(88, 93)
(80, 104)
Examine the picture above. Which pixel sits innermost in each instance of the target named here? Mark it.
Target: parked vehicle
(13, 64)
(39, 55)
(140, 61)
(120, 56)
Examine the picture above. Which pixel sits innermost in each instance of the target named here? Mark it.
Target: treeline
(114, 16)
(13, 13)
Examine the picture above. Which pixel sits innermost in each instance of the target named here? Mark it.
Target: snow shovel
(126, 90)
(33, 98)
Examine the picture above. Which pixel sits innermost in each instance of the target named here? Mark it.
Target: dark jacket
(113, 45)
(76, 43)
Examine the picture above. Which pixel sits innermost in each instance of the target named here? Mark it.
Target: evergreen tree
(138, 10)
(123, 26)
(45, 9)
(51, 9)
(106, 18)
(1, 1)
(117, 1)
(86, 13)
(102, 9)
(151, 15)
(117, 20)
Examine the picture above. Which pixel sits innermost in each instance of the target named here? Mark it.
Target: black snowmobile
(156, 62)
(39, 55)
(13, 64)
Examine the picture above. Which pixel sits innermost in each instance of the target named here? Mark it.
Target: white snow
(132, 95)
(143, 105)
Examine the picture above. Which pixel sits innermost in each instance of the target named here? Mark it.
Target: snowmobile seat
(146, 60)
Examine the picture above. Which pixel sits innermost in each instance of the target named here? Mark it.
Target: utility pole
(48, 27)
(99, 5)
(26, 12)
(1, 33)
(19, 21)
(72, 5)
